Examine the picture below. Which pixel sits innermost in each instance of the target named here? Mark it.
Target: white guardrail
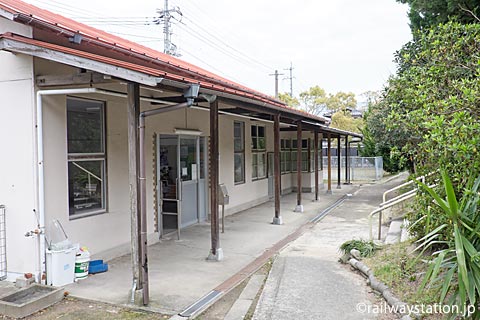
(394, 201)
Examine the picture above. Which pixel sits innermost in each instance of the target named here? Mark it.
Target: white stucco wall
(17, 169)
(112, 229)
(108, 234)
(252, 192)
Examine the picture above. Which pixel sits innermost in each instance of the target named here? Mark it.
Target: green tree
(431, 111)
(289, 100)
(435, 98)
(343, 120)
(380, 140)
(424, 14)
(341, 101)
(314, 100)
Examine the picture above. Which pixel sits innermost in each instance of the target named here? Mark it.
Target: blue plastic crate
(97, 266)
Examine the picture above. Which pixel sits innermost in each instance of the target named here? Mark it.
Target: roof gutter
(13, 45)
(258, 103)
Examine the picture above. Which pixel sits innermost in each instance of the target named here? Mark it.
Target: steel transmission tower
(165, 15)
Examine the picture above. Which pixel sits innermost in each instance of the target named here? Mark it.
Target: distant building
(354, 112)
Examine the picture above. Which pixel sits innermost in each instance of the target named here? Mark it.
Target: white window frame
(257, 152)
(239, 152)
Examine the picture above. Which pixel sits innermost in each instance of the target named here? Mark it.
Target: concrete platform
(178, 271)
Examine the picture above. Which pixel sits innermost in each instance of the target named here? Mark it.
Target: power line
(197, 31)
(217, 47)
(229, 46)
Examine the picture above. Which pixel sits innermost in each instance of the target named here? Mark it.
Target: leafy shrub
(366, 248)
(456, 268)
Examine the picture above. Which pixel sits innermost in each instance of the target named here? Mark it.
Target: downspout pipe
(41, 173)
(143, 191)
(190, 94)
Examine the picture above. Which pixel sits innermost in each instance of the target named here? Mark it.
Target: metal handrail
(398, 197)
(391, 203)
(382, 207)
(422, 178)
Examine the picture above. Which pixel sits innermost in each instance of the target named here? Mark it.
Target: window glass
(188, 159)
(305, 144)
(293, 161)
(85, 126)
(258, 137)
(239, 159)
(86, 156)
(261, 144)
(238, 136)
(85, 186)
(254, 166)
(305, 161)
(239, 151)
(202, 157)
(288, 166)
(253, 131)
(258, 152)
(262, 172)
(261, 131)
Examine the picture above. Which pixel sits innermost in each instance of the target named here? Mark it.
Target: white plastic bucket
(82, 260)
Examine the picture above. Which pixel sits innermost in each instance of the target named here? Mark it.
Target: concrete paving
(178, 272)
(244, 301)
(306, 280)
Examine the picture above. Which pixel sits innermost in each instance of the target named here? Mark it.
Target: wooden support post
(329, 156)
(299, 207)
(142, 185)
(347, 155)
(315, 160)
(276, 168)
(133, 110)
(216, 253)
(320, 153)
(339, 160)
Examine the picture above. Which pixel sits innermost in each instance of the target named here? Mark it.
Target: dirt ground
(76, 309)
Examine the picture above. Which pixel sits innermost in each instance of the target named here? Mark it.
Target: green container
(82, 260)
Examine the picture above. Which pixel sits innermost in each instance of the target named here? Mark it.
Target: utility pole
(164, 17)
(290, 78)
(276, 74)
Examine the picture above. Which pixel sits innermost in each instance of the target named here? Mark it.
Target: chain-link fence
(360, 168)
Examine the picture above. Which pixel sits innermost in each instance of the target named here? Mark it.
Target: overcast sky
(340, 45)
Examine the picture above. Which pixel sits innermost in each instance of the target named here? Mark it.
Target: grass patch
(395, 266)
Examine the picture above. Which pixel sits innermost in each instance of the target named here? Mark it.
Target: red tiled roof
(193, 73)
(131, 66)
